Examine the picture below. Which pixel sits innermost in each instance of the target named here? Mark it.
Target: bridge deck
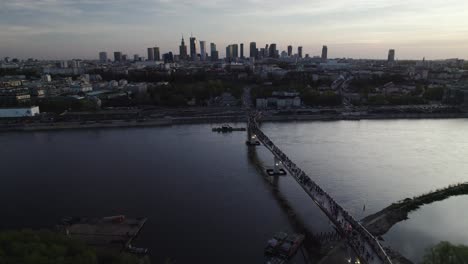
(363, 242)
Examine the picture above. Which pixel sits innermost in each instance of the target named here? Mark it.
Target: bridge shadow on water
(313, 244)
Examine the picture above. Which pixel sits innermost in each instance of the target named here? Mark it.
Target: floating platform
(283, 246)
(114, 233)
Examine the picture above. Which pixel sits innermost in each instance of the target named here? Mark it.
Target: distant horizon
(67, 29)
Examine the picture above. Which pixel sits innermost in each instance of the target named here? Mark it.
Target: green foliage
(327, 98)
(47, 247)
(434, 94)
(177, 94)
(446, 253)
(60, 104)
(37, 247)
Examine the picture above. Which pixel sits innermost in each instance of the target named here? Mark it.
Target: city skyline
(65, 29)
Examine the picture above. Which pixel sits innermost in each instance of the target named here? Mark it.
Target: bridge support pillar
(251, 138)
(277, 169)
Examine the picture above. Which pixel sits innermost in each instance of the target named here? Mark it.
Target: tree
(47, 247)
(446, 253)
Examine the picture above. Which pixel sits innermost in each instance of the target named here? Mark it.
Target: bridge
(364, 244)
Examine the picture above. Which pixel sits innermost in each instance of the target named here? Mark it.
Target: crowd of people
(358, 237)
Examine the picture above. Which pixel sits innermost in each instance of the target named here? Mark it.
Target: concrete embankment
(379, 223)
(196, 119)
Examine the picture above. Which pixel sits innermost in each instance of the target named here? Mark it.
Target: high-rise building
(182, 50)
(299, 51)
(391, 55)
(202, 50)
(272, 51)
(157, 56)
(117, 56)
(242, 50)
(168, 57)
(103, 56)
(289, 50)
(324, 53)
(253, 50)
(124, 57)
(150, 54)
(136, 57)
(228, 52)
(265, 54)
(213, 52)
(193, 48)
(235, 51)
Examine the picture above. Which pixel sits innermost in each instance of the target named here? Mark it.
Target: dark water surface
(204, 196)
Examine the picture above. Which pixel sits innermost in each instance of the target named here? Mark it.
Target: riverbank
(379, 223)
(195, 119)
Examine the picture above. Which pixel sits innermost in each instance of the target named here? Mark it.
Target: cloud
(305, 22)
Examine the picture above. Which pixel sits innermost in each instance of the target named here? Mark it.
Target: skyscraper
(103, 56)
(272, 51)
(235, 51)
(202, 50)
(213, 52)
(299, 51)
(265, 54)
(253, 50)
(118, 56)
(229, 52)
(183, 50)
(289, 50)
(324, 53)
(193, 48)
(150, 54)
(136, 57)
(157, 56)
(391, 55)
(242, 50)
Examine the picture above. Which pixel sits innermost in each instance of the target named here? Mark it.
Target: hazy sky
(64, 29)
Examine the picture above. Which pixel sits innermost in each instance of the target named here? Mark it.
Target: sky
(66, 29)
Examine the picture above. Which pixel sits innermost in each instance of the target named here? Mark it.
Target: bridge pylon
(251, 137)
(277, 169)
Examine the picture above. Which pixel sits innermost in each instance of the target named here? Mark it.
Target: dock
(114, 233)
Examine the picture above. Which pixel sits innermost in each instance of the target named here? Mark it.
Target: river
(202, 191)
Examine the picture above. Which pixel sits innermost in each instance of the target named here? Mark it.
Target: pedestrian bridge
(363, 242)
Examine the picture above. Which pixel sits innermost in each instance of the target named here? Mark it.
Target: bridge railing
(308, 185)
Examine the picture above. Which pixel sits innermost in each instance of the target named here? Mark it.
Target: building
(253, 50)
(136, 57)
(168, 57)
(124, 57)
(150, 54)
(299, 51)
(118, 56)
(290, 50)
(193, 48)
(182, 50)
(20, 112)
(242, 50)
(391, 55)
(229, 52)
(103, 56)
(213, 52)
(324, 53)
(157, 56)
(272, 51)
(202, 50)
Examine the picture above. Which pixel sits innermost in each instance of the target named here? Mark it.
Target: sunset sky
(65, 29)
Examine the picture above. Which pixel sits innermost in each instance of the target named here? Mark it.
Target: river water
(203, 192)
